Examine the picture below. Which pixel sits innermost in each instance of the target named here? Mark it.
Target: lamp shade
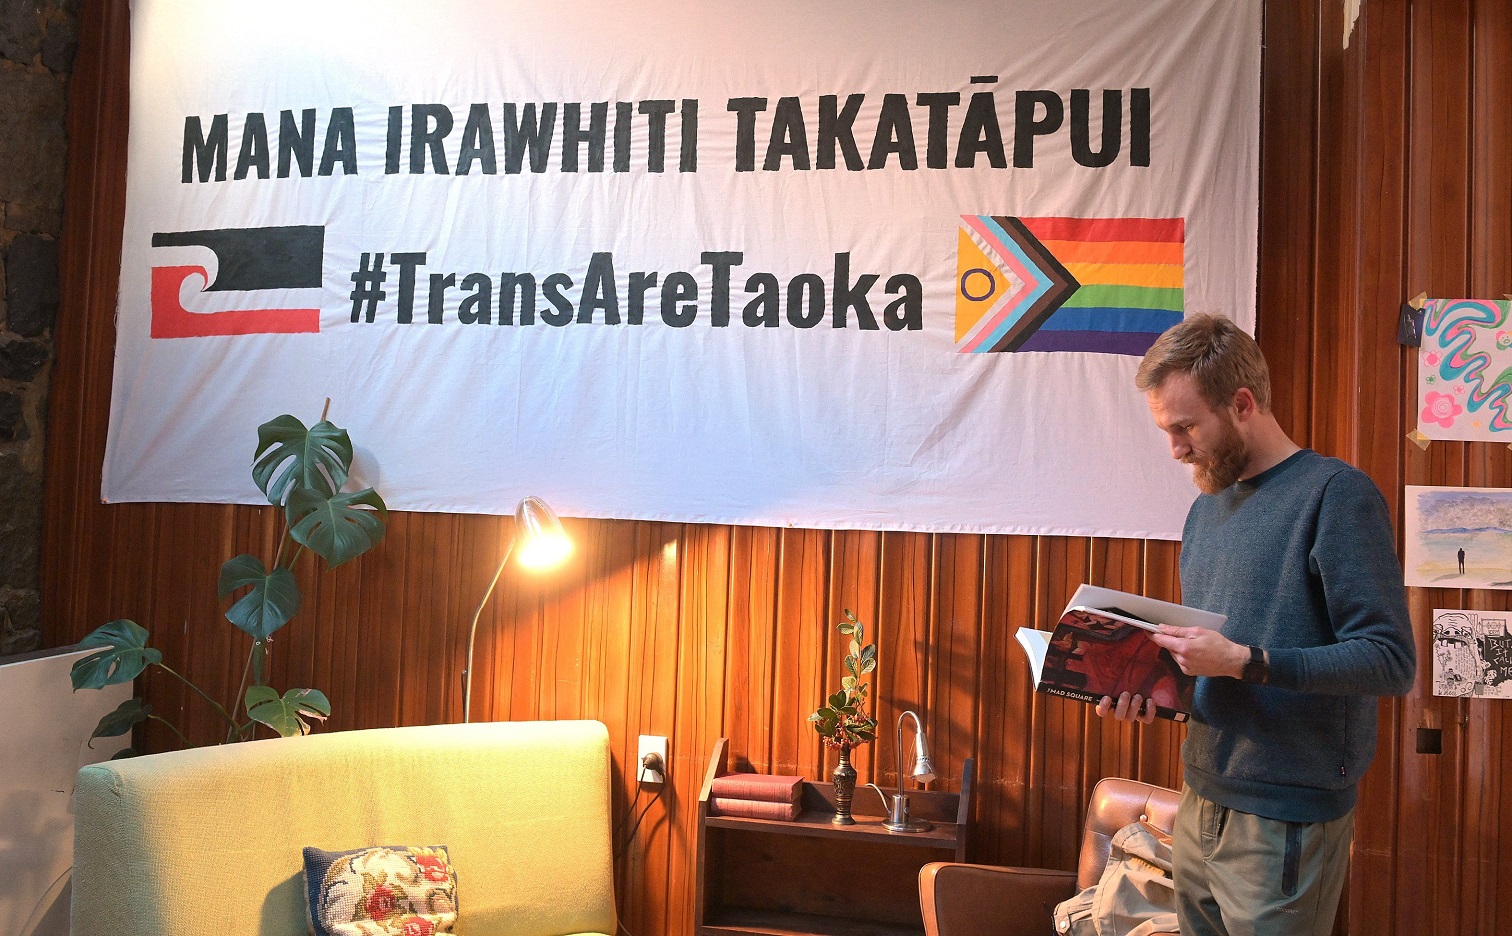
(539, 536)
(923, 770)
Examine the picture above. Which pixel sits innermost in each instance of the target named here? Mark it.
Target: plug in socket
(654, 746)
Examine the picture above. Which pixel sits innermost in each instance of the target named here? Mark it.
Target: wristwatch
(1257, 670)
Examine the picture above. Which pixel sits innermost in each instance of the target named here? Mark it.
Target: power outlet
(651, 744)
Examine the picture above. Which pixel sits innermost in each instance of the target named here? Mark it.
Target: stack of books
(756, 796)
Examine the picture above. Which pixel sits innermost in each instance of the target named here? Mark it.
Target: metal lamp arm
(472, 633)
(918, 730)
(898, 819)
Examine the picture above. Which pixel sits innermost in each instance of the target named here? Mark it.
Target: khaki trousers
(1243, 875)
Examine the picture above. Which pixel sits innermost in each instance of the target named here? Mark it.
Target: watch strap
(1257, 670)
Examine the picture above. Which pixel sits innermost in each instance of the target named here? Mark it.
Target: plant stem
(171, 727)
(234, 732)
(200, 692)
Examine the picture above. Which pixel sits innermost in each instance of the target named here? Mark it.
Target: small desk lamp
(543, 544)
(923, 772)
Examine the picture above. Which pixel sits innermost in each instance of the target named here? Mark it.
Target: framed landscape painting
(1458, 537)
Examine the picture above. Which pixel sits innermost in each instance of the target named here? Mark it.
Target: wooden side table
(808, 877)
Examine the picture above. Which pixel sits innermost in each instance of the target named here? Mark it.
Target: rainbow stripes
(1108, 285)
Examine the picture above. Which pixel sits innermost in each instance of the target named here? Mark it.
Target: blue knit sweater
(1301, 558)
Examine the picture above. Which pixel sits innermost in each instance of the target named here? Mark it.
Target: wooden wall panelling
(657, 677)
(1335, 338)
(1001, 800)
(1379, 65)
(951, 712)
(1484, 726)
(855, 575)
(1437, 248)
(1483, 903)
(1384, 171)
(1287, 199)
(1364, 115)
(1112, 749)
(89, 268)
(700, 709)
(1160, 743)
(901, 680)
(1062, 565)
(802, 631)
(750, 659)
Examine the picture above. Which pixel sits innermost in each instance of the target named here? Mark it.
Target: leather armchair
(986, 900)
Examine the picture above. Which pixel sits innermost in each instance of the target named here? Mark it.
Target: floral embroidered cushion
(391, 890)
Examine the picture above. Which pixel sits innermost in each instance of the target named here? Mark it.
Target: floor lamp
(542, 544)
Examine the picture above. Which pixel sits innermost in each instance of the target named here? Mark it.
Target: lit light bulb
(545, 550)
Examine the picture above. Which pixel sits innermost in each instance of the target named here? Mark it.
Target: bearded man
(1297, 550)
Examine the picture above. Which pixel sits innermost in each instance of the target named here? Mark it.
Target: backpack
(1135, 897)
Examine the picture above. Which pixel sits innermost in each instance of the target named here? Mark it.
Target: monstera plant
(302, 471)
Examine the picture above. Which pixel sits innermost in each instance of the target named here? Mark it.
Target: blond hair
(1218, 354)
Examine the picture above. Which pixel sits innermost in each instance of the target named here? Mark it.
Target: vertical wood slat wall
(1386, 170)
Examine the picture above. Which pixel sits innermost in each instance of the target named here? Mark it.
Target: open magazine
(1101, 647)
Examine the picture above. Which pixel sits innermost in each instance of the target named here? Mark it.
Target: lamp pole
(472, 633)
(538, 532)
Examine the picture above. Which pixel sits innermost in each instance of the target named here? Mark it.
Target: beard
(1220, 467)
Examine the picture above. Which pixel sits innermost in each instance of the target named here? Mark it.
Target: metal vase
(844, 777)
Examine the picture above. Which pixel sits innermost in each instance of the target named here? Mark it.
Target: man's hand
(1202, 652)
(1129, 709)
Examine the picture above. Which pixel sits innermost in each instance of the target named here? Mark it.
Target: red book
(752, 809)
(765, 788)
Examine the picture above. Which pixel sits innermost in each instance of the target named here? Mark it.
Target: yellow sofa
(208, 841)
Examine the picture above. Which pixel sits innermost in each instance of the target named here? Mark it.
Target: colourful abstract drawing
(1109, 285)
(1465, 370)
(1472, 654)
(1458, 537)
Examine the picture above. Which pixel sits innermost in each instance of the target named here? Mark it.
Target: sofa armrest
(985, 900)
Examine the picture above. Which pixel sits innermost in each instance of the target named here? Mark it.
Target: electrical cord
(634, 801)
(649, 762)
(631, 837)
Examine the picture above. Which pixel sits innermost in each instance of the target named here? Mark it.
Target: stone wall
(37, 40)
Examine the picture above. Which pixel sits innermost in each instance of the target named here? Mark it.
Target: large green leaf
(273, 600)
(340, 527)
(123, 658)
(286, 714)
(126, 716)
(290, 457)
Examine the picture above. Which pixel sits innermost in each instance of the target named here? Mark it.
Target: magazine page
(1035, 643)
(1150, 609)
(1091, 655)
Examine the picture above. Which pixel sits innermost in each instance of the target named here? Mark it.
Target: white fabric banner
(875, 266)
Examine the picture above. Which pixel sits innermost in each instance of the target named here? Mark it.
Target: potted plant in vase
(842, 721)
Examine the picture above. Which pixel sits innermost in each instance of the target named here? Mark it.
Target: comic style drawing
(1472, 654)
